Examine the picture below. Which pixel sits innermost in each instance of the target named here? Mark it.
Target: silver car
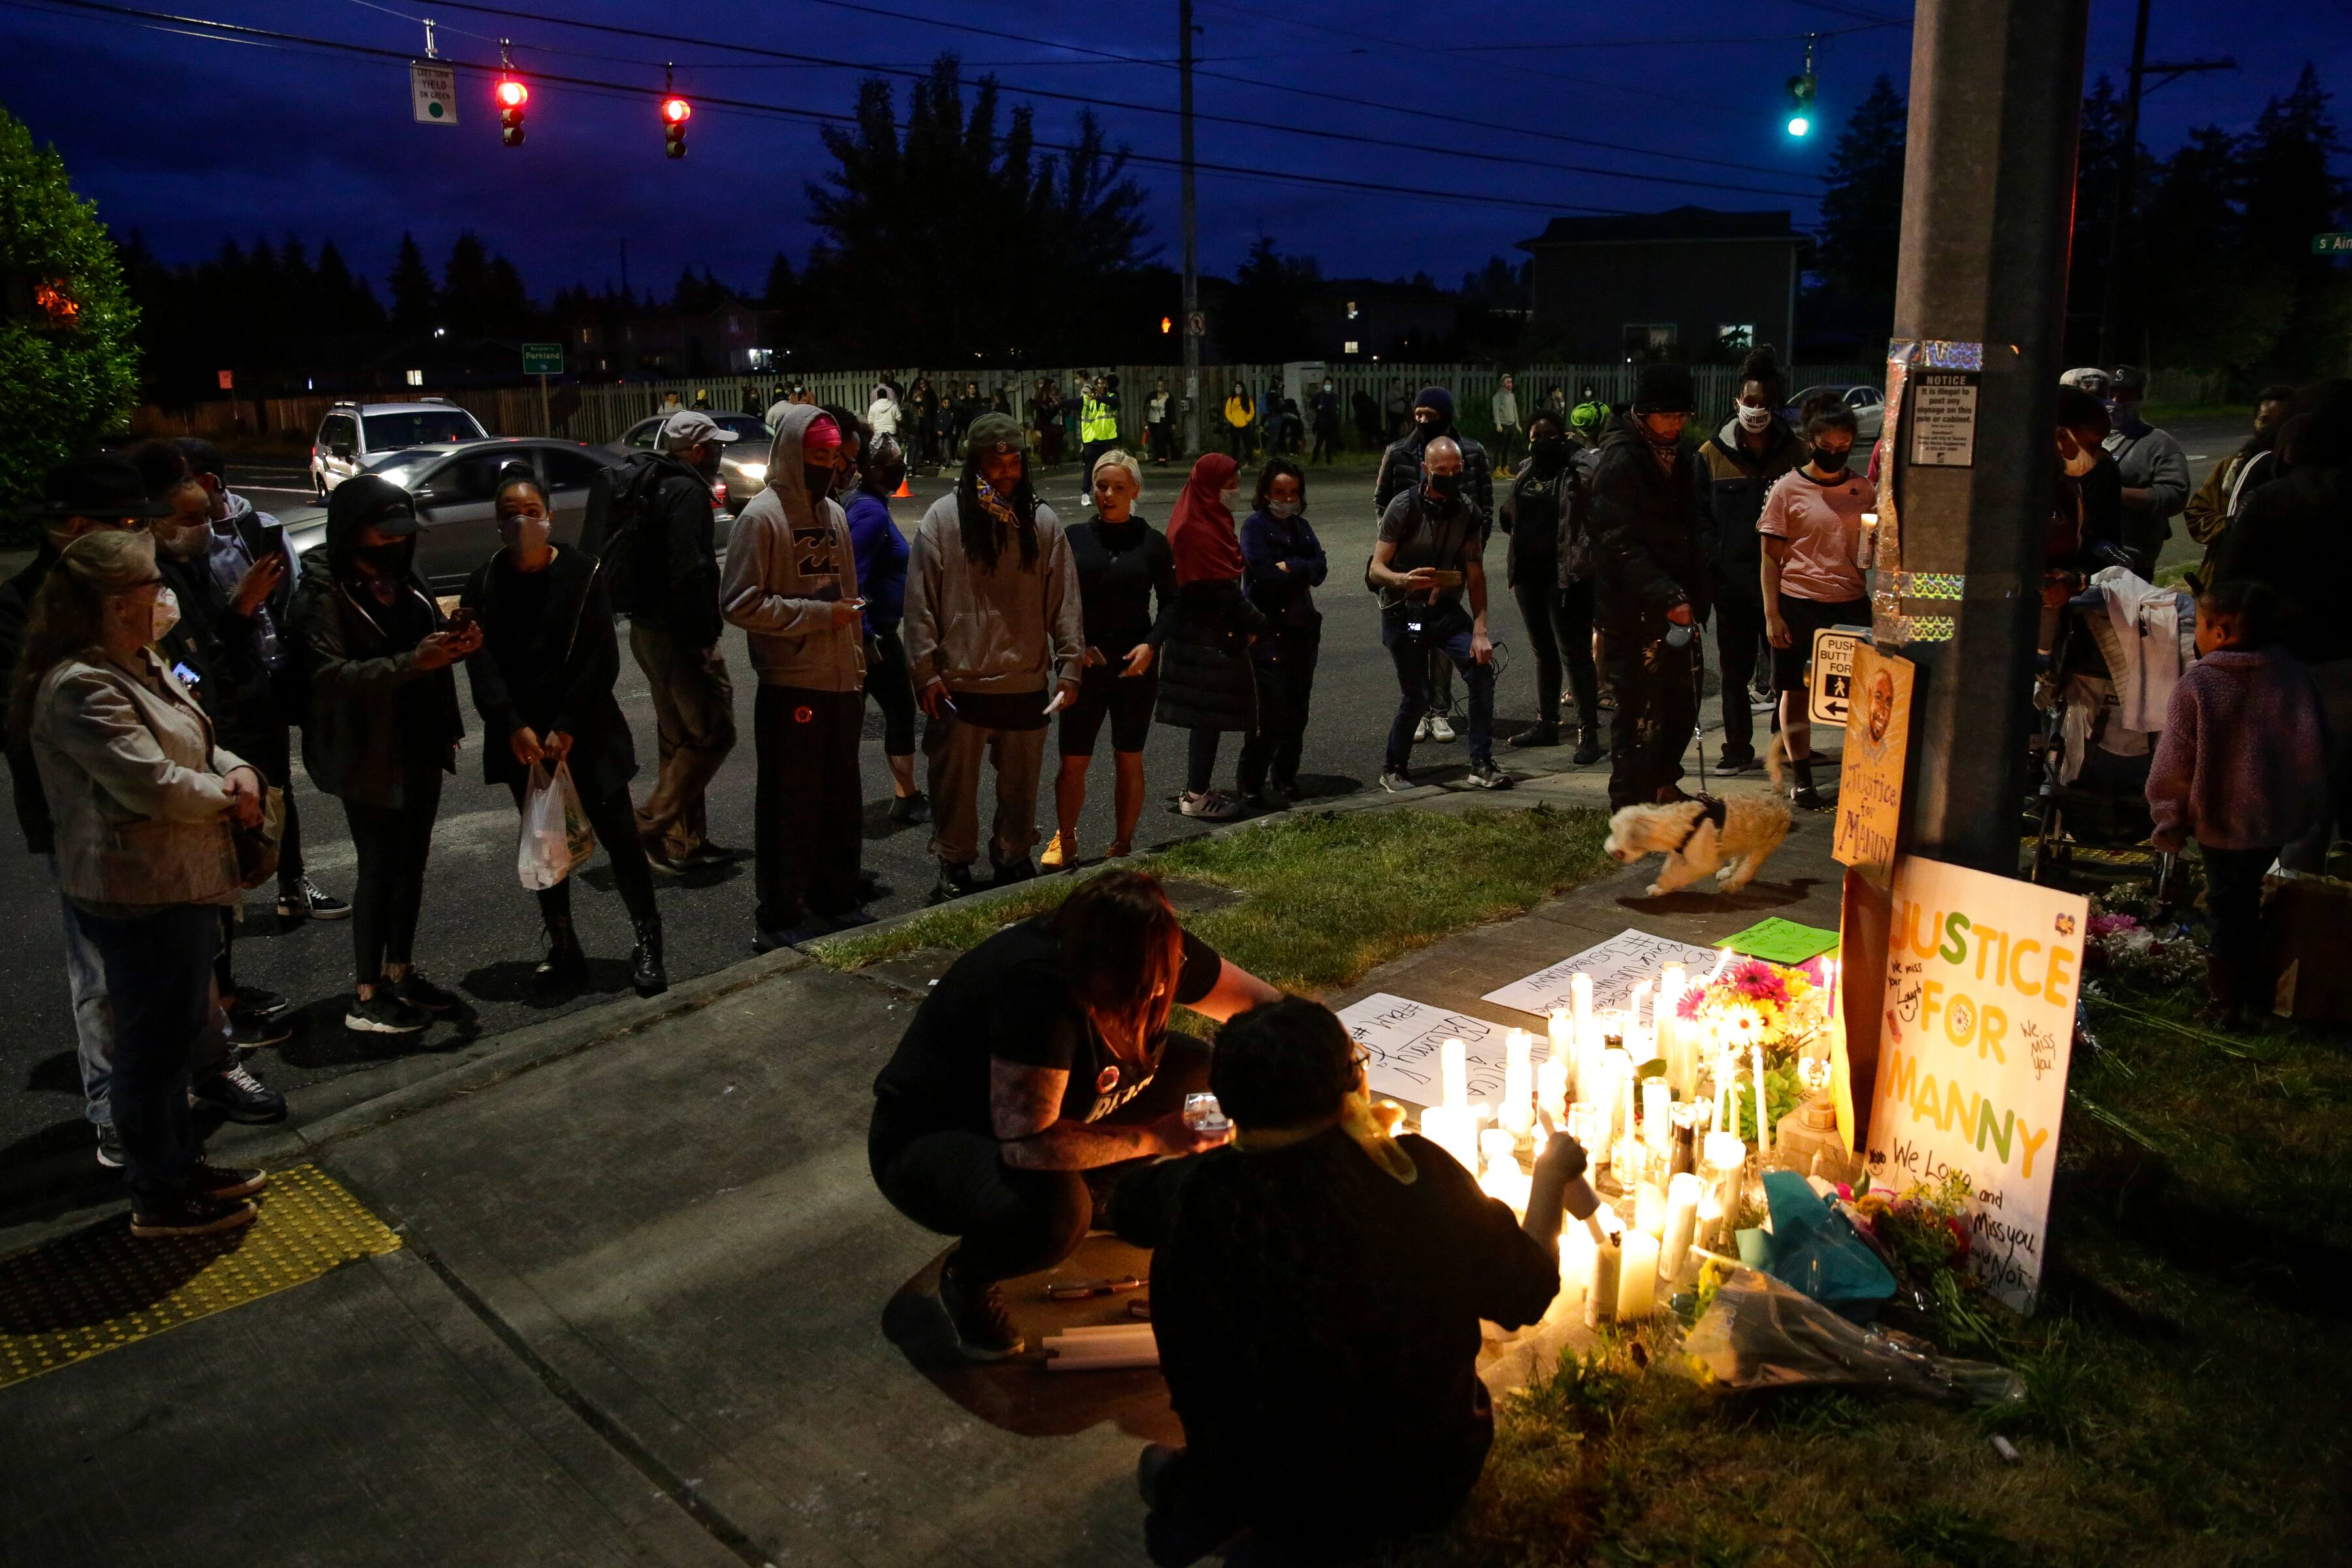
(1868, 402)
(742, 462)
(454, 487)
(353, 436)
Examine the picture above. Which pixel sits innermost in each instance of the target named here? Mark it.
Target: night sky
(192, 140)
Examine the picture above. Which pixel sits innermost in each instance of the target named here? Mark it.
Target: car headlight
(753, 470)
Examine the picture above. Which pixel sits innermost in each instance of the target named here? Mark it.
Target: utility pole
(1191, 238)
(1989, 183)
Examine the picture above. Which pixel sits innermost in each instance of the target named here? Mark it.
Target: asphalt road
(480, 927)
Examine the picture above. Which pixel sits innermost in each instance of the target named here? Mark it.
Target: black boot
(955, 882)
(566, 965)
(645, 970)
(1588, 748)
(1542, 733)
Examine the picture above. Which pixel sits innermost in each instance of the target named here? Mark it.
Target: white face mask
(2083, 460)
(1752, 419)
(1286, 509)
(1230, 499)
(165, 616)
(523, 534)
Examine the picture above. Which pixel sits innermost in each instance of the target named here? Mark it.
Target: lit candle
(1576, 1257)
(1580, 1001)
(1637, 1277)
(1650, 1208)
(1682, 1222)
(1657, 1114)
(1626, 1093)
(1763, 1105)
(1601, 1296)
(1724, 1170)
(1452, 1129)
(1517, 1113)
(1671, 984)
(1633, 1005)
(1561, 1028)
(1504, 1179)
(1552, 1086)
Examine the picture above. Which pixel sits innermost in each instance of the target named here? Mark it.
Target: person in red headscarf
(1206, 685)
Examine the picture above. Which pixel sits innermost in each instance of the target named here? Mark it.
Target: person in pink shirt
(1811, 531)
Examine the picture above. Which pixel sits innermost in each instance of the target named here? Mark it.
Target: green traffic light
(1799, 125)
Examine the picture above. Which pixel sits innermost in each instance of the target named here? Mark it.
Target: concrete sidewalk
(651, 1309)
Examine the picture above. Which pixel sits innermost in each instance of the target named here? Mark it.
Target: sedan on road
(1868, 402)
(742, 462)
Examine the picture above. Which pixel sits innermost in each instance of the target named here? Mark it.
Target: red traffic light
(512, 93)
(676, 110)
(1165, 326)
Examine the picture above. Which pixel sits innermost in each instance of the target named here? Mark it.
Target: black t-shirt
(1010, 998)
(1445, 535)
(1534, 513)
(1120, 566)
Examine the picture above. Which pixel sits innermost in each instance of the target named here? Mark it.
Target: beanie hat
(994, 432)
(1436, 398)
(1664, 389)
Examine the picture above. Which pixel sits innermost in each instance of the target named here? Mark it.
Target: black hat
(96, 487)
(370, 500)
(1664, 389)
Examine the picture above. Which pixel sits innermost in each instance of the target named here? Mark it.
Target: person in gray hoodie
(995, 642)
(791, 584)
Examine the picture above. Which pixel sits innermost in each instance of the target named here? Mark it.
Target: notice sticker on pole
(1832, 672)
(1944, 418)
(433, 93)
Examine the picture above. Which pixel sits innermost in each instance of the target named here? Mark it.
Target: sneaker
(223, 1183)
(983, 1329)
(1396, 781)
(1209, 805)
(252, 1034)
(109, 1147)
(709, 852)
(1487, 776)
(303, 901)
(1439, 730)
(237, 1095)
(1537, 735)
(419, 992)
(1421, 731)
(911, 808)
(194, 1216)
(1055, 857)
(254, 1002)
(1805, 797)
(385, 1012)
(1735, 759)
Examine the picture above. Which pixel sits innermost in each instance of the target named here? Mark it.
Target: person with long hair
(881, 552)
(1811, 529)
(1038, 1072)
(1124, 564)
(1744, 460)
(1206, 683)
(383, 729)
(995, 645)
(1283, 564)
(1241, 419)
(543, 684)
(144, 805)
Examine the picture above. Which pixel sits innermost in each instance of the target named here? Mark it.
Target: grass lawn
(2187, 1394)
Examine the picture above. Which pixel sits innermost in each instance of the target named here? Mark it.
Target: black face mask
(1831, 462)
(1445, 486)
(388, 560)
(819, 480)
(1550, 449)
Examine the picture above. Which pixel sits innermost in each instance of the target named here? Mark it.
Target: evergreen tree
(781, 291)
(1266, 316)
(2292, 193)
(1851, 301)
(414, 297)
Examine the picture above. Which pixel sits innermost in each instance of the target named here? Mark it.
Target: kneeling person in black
(1038, 1068)
(1317, 1290)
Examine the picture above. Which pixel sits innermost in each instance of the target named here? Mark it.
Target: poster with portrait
(1870, 773)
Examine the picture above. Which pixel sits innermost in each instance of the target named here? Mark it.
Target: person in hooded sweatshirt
(791, 585)
(1402, 468)
(996, 644)
(382, 728)
(1206, 683)
(1744, 460)
(543, 684)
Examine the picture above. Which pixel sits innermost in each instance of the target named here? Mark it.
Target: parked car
(355, 434)
(453, 485)
(742, 462)
(1868, 402)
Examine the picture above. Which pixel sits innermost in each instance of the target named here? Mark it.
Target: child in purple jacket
(2241, 768)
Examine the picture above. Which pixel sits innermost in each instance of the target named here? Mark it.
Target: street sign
(228, 381)
(1832, 672)
(433, 93)
(2331, 245)
(1196, 325)
(542, 359)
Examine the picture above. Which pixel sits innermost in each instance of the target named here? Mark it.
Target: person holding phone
(1428, 569)
(791, 585)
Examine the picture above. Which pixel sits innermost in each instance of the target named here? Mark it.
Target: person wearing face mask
(1127, 591)
(1098, 424)
(2234, 479)
(996, 645)
(142, 802)
(1241, 419)
(881, 552)
(1744, 460)
(791, 585)
(1651, 588)
(1504, 408)
(1811, 533)
(1206, 685)
(1401, 469)
(382, 728)
(1162, 417)
(1325, 407)
(1285, 563)
(1549, 568)
(2151, 466)
(1426, 566)
(543, 683)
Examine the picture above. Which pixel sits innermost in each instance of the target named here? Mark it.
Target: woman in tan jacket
(144, 803)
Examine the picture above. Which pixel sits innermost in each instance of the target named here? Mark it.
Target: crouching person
(1316, 1289)
(1037, 1073)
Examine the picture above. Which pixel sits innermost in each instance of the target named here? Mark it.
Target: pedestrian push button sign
(433, 93)
(1832, 672)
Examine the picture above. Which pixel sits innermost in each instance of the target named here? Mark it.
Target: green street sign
(542, 359)
(2331, 245)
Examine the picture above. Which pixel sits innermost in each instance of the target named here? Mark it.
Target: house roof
(1676, 224)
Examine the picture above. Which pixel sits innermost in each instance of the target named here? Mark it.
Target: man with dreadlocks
(995, 645)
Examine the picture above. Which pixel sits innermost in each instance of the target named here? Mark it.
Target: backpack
(624, 532)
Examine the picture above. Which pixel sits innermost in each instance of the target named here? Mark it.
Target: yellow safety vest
(1097, 422)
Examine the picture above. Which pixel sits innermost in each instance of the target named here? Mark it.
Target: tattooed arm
(1025, 1105)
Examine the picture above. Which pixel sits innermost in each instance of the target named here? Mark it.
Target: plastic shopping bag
(556, 838)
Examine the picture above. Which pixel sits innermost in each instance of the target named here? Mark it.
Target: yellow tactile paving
(99, 1289)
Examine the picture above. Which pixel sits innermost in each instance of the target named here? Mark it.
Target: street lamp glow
(1799, 125)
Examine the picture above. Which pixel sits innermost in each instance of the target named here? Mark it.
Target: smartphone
(1449, 579)
(461, 617)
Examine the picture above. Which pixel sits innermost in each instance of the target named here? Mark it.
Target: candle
(1601, 1296)
(1657, 1114)
(1580, 1001)
(1650, 1208)
(1681, 1223)
(1504, 1179)
(1633, 1005)
(1454, 1068)
(1763, 1104)
(1670, 1029)
(1552, 1086)
(1576, 1256)
(1452, 1129)
(1637, 1278)
(1723, 1169)
(1627, 1097)
(1561, 1027)
(1518, 1083)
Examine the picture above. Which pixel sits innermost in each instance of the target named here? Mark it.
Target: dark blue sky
(192, 140)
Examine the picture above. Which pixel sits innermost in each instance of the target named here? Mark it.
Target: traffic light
(511, 95)
(675, 111)
(1166, 326)
(1802, 88)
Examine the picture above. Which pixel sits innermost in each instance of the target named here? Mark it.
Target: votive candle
(1600, 1296)
(1637, 1277)
(1454, 1072)
(1681, 1223)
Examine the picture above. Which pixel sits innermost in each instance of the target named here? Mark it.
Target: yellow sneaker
(1055, 855)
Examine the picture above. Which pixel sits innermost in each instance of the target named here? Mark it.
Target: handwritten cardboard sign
(1616, 967)
(1870, 772)
(1981, 982)
(1404, 1037)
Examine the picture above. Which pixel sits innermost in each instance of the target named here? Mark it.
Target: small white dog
(1732, 838)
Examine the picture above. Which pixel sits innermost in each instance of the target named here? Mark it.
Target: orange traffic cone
(905, 490)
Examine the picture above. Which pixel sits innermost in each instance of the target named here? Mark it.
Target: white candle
(1552, 1086)
(1637, 1278)
(1763, 1104)
(1561, 1029)
(1682, 1222)
(1669, 1027)
(1518, 1083)
(1600, 1296)
(1453, 1069)
(1626, 1093)
(1725, 1169)
(1650, 1208)
(1580, 1001)
(1576, 1254)
(1503, 1178)
(1452, 1129)
(1633, 1006)
(1657, 1114)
